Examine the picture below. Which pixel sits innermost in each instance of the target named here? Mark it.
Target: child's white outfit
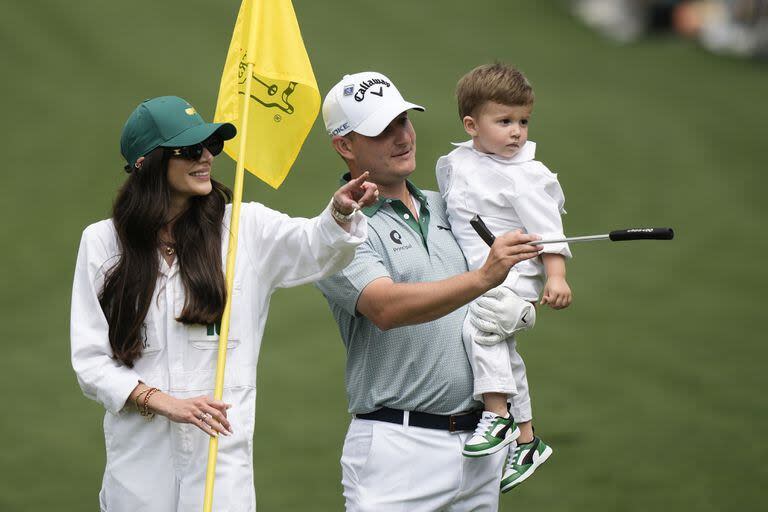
(509, 194)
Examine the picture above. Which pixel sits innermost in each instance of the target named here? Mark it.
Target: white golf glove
(498, 314)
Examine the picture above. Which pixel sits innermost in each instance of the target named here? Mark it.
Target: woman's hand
(357, 193)
(204, 412)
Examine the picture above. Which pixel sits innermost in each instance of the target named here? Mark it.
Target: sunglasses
(214, 144)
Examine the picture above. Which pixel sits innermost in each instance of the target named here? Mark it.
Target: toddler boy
(495, 175)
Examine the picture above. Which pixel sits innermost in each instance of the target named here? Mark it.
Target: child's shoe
(491, 435)
(522, 461)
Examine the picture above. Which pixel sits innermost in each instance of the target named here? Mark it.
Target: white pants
(160, 466)
(387, 467)
(499, 369)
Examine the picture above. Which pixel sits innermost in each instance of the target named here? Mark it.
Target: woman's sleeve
(290, 251)
(101, 377)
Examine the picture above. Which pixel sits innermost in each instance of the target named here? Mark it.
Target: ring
(204, 416)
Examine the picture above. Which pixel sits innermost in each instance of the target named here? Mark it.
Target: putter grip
(641, 234)
(481, 229)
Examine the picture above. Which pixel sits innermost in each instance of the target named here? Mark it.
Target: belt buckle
(451, 423)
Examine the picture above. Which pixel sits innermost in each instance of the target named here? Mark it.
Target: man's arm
(388, 304)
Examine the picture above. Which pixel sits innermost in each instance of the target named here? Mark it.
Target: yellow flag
(284, 95)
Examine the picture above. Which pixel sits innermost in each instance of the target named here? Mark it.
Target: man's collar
(414, 190)
(370, 211)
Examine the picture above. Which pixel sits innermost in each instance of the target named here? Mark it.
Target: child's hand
(557, 293)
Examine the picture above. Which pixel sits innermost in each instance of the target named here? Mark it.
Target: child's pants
(499, 369)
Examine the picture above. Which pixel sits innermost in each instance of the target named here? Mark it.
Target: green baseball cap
(169, 122)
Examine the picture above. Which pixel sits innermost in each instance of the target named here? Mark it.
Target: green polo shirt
(420, 367)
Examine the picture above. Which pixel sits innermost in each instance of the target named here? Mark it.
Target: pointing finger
(360, 179)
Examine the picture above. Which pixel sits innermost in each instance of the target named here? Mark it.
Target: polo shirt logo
(396, 237)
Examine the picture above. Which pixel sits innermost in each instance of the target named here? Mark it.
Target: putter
(618, 235)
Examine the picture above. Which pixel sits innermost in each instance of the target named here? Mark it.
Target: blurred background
(728, 27)
(651, 388)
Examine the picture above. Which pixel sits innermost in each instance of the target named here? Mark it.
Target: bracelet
(344, 218)
(138, 399)
(145, 410)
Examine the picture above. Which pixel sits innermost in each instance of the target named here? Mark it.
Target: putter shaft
(591, 238)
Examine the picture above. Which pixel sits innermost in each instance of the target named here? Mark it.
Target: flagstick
(221, 361)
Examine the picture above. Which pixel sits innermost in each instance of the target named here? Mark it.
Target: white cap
(364, 103)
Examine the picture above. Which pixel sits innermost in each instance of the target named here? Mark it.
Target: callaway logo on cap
(364, 103)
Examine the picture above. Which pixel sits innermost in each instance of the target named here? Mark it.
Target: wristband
(342, 217)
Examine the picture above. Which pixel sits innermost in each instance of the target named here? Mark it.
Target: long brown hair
(139, 213)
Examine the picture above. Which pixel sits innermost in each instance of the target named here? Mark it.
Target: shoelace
(511, 457)
(484, 425)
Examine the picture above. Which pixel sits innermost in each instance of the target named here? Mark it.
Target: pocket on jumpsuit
(201, 354)
(206, 337)
(126, 486)
(151, 342)
(126, 434)
(204, 344)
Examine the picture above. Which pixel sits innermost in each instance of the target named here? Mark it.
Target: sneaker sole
(489, 451)
(541, 460)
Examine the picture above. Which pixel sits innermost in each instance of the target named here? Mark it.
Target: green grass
(651, 387)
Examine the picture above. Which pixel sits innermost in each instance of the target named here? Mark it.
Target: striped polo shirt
(420, 367)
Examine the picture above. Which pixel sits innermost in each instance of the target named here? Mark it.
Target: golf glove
(499, 314)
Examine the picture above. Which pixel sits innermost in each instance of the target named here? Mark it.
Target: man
(400, 306)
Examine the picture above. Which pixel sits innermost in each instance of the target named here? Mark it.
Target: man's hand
(498, 314)
(557, 293)
(355, 194)
(507, 250)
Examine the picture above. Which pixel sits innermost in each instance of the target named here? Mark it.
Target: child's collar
(526, 153)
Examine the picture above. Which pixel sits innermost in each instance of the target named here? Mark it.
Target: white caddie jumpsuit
(158, 465)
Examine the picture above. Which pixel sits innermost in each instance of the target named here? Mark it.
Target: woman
(148, 293)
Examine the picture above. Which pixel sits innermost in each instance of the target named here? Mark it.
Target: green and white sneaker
(491, 435)
(522, 461)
